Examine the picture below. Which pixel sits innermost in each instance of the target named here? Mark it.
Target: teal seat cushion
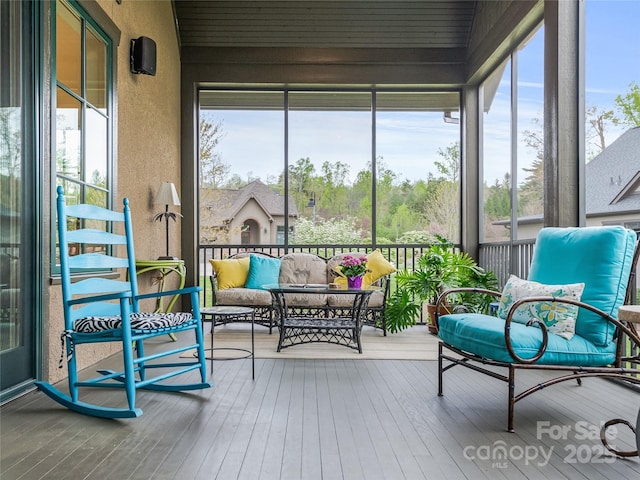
(599, 257)
(483, 335)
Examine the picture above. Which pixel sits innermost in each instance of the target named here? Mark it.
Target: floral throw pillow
(560, 318)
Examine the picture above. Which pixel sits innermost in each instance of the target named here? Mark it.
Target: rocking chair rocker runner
(104, 310)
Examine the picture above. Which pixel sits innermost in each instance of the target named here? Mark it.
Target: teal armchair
(563, 318)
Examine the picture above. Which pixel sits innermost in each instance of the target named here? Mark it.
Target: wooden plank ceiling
(434, 24)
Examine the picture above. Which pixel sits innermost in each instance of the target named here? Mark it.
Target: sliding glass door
(19, 262)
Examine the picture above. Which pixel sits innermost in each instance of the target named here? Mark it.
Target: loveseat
(238, 280)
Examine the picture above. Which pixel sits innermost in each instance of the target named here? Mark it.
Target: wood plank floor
(326, 419)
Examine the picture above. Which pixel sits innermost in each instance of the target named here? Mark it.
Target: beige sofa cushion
(303, 268)
(243, 296)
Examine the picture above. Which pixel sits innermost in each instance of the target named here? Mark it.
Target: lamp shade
(167, 194)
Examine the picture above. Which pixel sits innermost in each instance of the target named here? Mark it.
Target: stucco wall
(147, 152)
(148, 120)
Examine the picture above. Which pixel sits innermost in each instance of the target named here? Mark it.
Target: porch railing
(505, 258)
(493, 256)
(403, 256)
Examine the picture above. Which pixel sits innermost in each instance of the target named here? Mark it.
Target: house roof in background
(612, 180)
(229, 202)
(613, 177)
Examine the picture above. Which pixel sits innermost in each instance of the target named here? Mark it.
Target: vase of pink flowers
(354, 269)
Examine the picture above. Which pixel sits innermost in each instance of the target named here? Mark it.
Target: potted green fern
(440, 268)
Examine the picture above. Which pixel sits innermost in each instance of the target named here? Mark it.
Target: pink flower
(353, 266)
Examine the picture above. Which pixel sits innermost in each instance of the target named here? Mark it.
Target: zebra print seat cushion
(139, 321)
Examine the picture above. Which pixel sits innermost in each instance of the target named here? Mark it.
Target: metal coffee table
(228, 314)
(298, 329)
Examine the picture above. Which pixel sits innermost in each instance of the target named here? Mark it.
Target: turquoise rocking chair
(99, 309)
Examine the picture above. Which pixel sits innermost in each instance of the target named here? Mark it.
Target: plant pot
(354, 283)
(431, 311)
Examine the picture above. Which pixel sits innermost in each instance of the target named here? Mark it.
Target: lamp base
(168, 258)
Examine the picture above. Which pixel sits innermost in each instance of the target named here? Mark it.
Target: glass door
(19, 186)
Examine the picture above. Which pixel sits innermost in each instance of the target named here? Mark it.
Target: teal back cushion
(601, 257)
(262, 271)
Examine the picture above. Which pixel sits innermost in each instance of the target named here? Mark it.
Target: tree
(497, 205)
(213, 171)
(441, 207)
(597, 121)
(335, 174)
(450, 164)
(531, 191)
(11, 184)
(387, 202)
(332, 184)
(402, 220)
(444, 214)
(629, 107)
(235, 182)
(333, 231)
(417, 236)
(300, 175)
(11, 141)
(360, 201)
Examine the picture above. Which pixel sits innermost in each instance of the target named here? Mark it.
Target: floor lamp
(167, 195)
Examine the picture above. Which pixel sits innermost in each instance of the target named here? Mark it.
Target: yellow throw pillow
(378, 266)
(231, 273)
(340, 280)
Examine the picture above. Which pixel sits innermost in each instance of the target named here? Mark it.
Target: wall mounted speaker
(143, 56)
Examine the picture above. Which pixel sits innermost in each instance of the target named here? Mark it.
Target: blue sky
(253, 141)
(613, 49)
